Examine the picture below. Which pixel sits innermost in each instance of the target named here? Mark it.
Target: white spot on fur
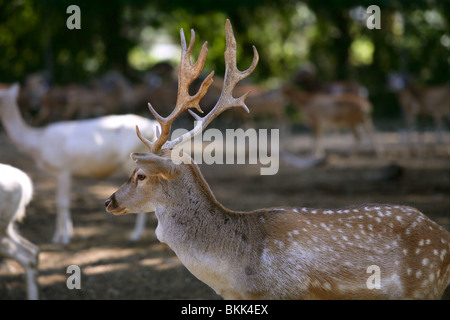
(279, 243)
(443, 253)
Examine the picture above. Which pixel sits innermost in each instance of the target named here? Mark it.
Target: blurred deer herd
(322, 106)
(55, 112)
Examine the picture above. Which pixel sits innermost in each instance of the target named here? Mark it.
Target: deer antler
(187, 74)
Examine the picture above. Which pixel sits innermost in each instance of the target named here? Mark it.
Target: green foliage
(414, 37)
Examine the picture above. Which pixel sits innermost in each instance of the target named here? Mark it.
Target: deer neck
(22, 135)
(199, 229)
(185, 204)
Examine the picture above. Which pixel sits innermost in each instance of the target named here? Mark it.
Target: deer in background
(76, 101)
(16, 191)
(282, 252)
(93, 148)
(322, 112)
(432, 101)
(306, 77)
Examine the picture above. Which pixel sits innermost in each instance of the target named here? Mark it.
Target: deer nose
(111, 201)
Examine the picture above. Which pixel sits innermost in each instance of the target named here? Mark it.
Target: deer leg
(357, 140)
(370, 130)
(139, 227)
(316, 142)
(439, 128)
(64, 227)
(411, 128)
(18, 248)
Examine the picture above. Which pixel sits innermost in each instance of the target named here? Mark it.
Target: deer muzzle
(112, 206)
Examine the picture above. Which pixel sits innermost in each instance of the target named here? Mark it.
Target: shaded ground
(115, 268)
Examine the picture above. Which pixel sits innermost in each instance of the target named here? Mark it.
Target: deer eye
(140, 177)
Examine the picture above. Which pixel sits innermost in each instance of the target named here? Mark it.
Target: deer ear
(156, 165)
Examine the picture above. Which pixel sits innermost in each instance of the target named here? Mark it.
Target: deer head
(155, 169)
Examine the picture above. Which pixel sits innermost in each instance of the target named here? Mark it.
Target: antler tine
(232, 76)
(232, 73)
(187, 74)
(144, 140)
(226, 100)
(154, 147)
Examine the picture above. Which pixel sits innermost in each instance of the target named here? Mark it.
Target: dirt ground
(115, 268)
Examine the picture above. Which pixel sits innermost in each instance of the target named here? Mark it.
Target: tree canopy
(332, 35)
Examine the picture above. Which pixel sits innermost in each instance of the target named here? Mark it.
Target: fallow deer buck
(283, 252)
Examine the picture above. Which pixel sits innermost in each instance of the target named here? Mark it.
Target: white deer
(92, 148)
(283, 252)
(16, 191)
